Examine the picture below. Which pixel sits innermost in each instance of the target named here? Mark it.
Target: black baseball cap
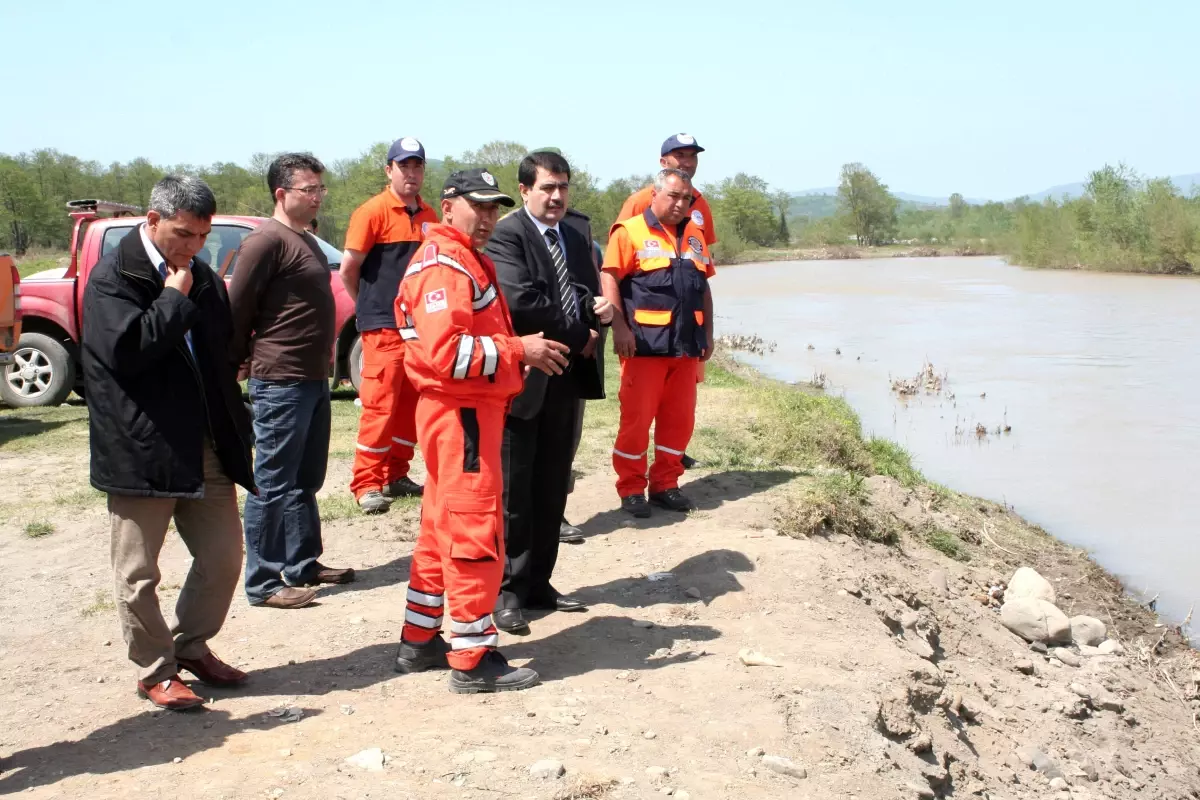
(475, 184)
(681, 141)
(404, 149)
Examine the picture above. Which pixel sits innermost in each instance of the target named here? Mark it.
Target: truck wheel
(355, 362)
(42, 373)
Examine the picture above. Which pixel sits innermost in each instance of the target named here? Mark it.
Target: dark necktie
(565, 291)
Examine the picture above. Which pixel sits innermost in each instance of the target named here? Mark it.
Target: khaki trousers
(212, 531)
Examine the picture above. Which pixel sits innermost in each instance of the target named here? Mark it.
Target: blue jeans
(291, 451)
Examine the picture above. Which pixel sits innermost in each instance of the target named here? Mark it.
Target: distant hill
(1184, 183)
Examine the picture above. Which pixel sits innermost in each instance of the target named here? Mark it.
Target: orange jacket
(701, 214)
(459, 336)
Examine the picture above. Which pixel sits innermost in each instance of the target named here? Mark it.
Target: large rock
(1088, 631)
(1035, 620)
(1027, 583)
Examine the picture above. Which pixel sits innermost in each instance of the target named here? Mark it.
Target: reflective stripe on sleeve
(491, 356)
(484, 300)
(466, 348)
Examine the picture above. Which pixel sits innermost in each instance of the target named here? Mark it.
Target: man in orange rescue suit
(681, 152)
(656, 272)
(462, 354)
(384, 233)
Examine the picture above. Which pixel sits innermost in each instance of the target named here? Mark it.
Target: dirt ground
(645, 695)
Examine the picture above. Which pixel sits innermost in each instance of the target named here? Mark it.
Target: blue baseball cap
(681, 141)
(404, 149)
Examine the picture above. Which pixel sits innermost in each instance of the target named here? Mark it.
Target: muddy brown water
(1098, 375)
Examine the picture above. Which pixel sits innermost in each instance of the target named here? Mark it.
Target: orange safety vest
(455, 322)
(663, 297)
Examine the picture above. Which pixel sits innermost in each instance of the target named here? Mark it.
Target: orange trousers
(662, 391)
(460, 550)
(387, 429)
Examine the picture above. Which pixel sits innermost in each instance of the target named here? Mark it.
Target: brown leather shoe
(171, 693)
(290, 597)
(333, 575)
(212, 670)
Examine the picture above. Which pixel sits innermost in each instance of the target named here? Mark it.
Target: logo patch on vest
(424, 228)
(652, 244)
(435, 301)
(698, 218)
(696, 245)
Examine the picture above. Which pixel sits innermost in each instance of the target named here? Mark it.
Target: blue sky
(991, 100)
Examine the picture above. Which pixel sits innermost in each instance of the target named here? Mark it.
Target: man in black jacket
(550, 282)
(169, 435)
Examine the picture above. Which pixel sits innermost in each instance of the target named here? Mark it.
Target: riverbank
(845, 252)
(821, 551)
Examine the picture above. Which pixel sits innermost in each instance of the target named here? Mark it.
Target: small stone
(1081, 691)
(909, 620)
(347, 709)
(852, 589)
(784, 766)
(1066, 656)
(921, 792)
(1039, 647)
(1109, 702)
(752, 658)
(657, 773)
(99, 679)
(1059, 784)
(939, 582)
(649, 735)
(1027, 583)
(1111, 647)
(107, 642)
(662, 652)
(370, 759)
(286, 752)
(357, 620)
(547, 769)
(894, 591)
(176, 760)
(1088, 630)
(756, 752)
(682, 795)
(1024, 666)
(922, 744)
(602, 730)
(643, 623)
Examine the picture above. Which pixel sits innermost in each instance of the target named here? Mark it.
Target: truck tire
(354, 363)
(42, 373)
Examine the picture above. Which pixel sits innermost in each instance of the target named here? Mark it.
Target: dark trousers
(537, 457)
(291, 452)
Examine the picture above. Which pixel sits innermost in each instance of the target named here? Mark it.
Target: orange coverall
(465, 360)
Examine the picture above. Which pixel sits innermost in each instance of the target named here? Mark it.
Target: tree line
(34, 188)
(1122, 222)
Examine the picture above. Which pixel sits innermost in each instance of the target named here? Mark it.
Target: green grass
(80, 499)
(947, 544)
(101, 604)
(38, 528)
(889, 458)
(39, 261)
(834, 503)
(24, 430)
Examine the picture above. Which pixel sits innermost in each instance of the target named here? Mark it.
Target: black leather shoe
(510, 620)
(405, 487)
(493, 674)
(636, 505)
(569, 534)
(672, 500)
(412, 658)
(688, 462)
(565, 603)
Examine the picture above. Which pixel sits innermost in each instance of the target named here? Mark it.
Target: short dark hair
(279, 174)
(175, 193)
(547, 160)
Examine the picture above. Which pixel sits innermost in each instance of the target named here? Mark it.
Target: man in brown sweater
(283, 320)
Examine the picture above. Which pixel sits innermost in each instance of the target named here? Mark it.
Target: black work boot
(492, 674)
(688, 462)
(412, 658)
(672, 500)
(405, 487)
(636, 505)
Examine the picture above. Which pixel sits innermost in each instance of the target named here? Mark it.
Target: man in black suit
(549, 280)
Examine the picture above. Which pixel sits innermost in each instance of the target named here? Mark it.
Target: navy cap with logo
(681, 141)
(475, 184)
(404, 149)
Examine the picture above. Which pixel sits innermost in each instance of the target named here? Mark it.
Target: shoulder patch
(696, 245)
(430, 253)
(697, 217)
(435, 301)
(424, 228)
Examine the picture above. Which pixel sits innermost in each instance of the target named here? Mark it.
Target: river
(1098, 376)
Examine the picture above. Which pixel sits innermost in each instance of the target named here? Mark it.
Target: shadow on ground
(708, 493)
(606, 643)
(14, 426)
(143, 740)
(714, 573)
(390, 574)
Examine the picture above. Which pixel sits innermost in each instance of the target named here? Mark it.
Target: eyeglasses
(311, 191)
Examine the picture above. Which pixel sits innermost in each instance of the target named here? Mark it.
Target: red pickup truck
(51, 303)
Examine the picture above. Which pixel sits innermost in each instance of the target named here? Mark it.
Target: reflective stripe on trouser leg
(380, 391)
(426, 592)
(642, 379)
(673, 423)
(465, 512)
(403, 429)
